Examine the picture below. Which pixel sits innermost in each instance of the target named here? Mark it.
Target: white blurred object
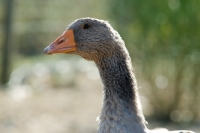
(19, 93)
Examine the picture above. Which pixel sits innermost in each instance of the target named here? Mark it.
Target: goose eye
(86, 26)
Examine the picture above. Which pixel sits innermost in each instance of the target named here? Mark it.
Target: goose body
(97, 41)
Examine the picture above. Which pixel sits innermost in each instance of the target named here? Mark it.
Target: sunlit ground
(56, 95)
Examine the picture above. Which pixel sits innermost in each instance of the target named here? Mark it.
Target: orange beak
(63, 44)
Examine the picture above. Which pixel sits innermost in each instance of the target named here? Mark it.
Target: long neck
(121, 107)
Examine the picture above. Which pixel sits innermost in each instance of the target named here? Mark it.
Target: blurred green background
(42, 93)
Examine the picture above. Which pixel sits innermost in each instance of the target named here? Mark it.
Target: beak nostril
(61, 41)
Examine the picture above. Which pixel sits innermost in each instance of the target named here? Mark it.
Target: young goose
(97, 41)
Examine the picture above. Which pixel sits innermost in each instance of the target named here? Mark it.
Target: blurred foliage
(164, 42)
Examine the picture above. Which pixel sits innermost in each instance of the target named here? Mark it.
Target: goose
(95, 40)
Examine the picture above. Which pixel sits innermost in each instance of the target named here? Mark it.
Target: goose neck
(120, 102)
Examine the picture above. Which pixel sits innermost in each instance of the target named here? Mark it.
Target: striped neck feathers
(121, 106)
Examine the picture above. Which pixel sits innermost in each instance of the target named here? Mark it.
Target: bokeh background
(62, 93)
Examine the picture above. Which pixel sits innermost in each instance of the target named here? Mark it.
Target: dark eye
(86, 26)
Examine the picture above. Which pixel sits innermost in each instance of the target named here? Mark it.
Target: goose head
(88, 37)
